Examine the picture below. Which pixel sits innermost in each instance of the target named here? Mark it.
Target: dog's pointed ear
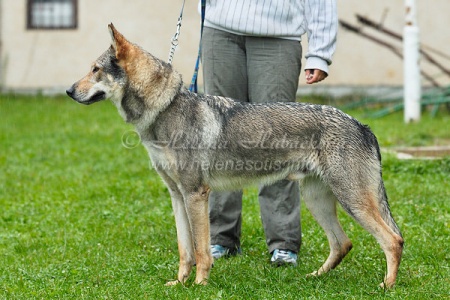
(118, 42)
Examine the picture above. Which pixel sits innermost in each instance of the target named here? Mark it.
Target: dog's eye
(95, 69)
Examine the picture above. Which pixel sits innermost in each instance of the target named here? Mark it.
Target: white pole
(411, 68)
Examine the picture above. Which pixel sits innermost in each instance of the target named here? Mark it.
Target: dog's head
(132, 78)
(106, 78)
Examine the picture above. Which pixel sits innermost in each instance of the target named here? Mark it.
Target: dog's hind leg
(197, 210)
(368, 206)
(321, 202)
(184, 236)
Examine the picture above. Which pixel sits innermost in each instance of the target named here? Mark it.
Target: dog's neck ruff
(156, 105)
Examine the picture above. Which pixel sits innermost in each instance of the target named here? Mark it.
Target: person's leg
(280, 215)
(225, 74)
(273, 67)
(224, 64)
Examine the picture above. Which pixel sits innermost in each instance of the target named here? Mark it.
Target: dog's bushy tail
(385, 210)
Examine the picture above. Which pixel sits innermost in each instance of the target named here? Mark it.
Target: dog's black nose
(70, 91)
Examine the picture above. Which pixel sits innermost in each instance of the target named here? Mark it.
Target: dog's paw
(386, 286)
(313, 274)
(172, 283)
(201, 282)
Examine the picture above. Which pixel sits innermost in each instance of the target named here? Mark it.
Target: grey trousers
(254, 69)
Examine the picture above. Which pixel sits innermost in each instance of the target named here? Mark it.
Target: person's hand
(314, 75)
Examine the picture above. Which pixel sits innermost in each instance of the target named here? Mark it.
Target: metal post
(411, 68)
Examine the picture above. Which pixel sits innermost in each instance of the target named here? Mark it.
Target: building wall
(359, 61)
(56, 58)
(53, 59)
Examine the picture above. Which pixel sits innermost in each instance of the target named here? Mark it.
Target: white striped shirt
(287, 19)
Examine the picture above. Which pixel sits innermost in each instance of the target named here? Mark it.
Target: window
(52, 14)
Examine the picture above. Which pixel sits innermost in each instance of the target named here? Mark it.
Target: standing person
(251, 52)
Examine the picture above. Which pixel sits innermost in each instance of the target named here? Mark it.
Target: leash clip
(174, 40)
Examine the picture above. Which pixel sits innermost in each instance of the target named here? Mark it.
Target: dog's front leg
(184, 236)
(197, 210)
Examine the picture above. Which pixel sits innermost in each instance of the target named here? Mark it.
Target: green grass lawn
(83, 217)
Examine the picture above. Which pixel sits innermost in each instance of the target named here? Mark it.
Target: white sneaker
(283, 257)
(219, 251)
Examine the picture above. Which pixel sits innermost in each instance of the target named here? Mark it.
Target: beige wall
(360, 61)
(54, 59)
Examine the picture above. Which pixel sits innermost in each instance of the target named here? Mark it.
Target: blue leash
(193, 85)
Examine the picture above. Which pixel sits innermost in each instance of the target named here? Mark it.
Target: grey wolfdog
(200, 142)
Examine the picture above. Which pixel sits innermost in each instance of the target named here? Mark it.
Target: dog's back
(250, 141)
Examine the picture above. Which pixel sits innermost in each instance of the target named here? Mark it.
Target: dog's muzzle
(100, 95)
